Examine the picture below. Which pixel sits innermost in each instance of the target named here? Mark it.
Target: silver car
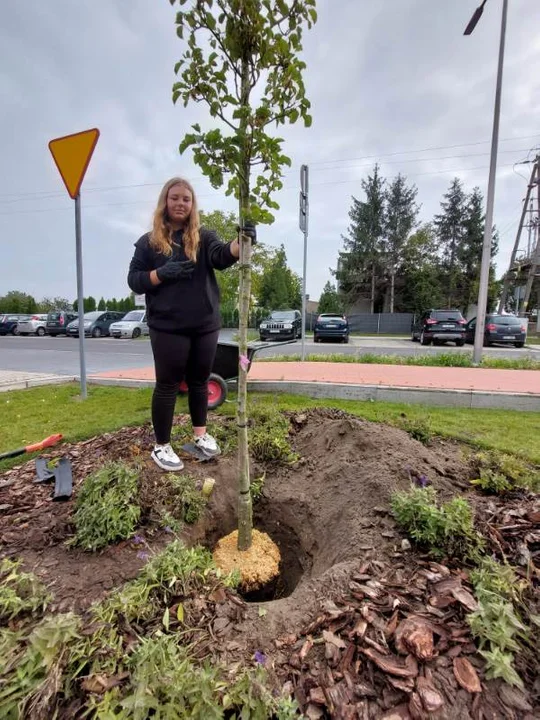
(132, 325)
(32, 325)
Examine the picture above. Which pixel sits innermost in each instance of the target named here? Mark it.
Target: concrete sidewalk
(464, 387)
(14, 380)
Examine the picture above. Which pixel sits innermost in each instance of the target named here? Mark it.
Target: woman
(174, 266)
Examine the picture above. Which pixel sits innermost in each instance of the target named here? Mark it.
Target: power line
(285, 189)
(47, 194)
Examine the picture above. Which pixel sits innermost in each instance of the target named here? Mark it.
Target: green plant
(448, 529)
(257, 485)
(269, 437)
(492, 482)
(418, 428)
(185, 501)
(496, 623)
(20, 592)
(106, 509)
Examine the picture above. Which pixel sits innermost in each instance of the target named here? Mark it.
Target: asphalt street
(60, 355)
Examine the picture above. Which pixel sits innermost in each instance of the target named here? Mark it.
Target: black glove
(249, 230)
(175, 270)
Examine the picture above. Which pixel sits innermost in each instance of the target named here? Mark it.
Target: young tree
(450, 229)
(421, 273)
(362, 254)
(400, 219)
(330, 301)
(242, 61)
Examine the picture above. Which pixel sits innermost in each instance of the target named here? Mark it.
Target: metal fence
(374, 323)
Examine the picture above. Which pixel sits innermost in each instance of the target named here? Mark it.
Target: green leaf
(180, 613)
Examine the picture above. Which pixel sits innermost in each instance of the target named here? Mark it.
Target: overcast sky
(388, 79)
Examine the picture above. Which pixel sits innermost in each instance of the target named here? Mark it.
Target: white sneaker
(165, 458)
(207, 444)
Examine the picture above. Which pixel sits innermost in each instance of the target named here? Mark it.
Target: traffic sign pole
(80, 294)
(72, 154)
(304, 217)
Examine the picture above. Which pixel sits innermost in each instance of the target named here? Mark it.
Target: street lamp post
(488, 229)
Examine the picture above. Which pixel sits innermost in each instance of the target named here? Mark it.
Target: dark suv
(506, 329)
(439, 326)
(281, 325)
(331, 326)
(57, 322)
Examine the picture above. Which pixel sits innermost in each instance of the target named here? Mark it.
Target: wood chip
(429, 695)
(415, 635)
(317, 696)
(392, 664)
(306, 647)
(465, 598)
(329, 637)
(466, 675)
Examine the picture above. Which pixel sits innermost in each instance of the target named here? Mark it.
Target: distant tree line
(392, 263)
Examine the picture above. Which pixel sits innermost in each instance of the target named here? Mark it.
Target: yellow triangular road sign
(72, 154)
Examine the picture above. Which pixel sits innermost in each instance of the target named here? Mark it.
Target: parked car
(57, 322)
(96, 323)
(281, 325)
(33, 325)
(439, 326)
(132, 325)
(331, 326)
(507, 329)
(9, 324)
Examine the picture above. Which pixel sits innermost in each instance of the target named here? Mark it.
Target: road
(60, 356)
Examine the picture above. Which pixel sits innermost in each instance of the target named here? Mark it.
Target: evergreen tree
(361, 259)
(101, 304)
(400, 219)
(330, 301)
(451, 231)
(89, 304)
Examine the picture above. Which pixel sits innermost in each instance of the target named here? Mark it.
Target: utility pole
(488, 229)
(535, 177)
(303, 222)
(535, 257)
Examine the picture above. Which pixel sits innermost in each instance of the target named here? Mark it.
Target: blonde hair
(162, 231)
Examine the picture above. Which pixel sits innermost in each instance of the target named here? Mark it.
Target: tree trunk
(245, 510)
(372, 305)
(392, 288)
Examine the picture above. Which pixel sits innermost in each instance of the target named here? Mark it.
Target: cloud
(386, 81)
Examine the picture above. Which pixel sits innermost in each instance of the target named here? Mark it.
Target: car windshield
(134, 316)
(282, 315)
(94, 315)
(331, 316)
(447, 315)
(506, 320)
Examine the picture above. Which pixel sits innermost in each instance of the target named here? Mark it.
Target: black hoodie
(186, 305)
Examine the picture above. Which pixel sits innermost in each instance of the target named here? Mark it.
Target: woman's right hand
(175, 270)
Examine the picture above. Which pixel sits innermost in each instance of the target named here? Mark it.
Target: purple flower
(137, 539)
(143, 555)
(422, 481)
(260, 657)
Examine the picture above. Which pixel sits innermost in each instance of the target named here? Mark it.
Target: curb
(36, 382)
(384, 393)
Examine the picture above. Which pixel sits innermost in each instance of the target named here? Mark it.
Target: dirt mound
(344, 568)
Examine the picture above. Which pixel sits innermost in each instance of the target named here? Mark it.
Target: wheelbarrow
(225, 370)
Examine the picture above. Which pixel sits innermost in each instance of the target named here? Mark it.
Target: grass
(30, 415)
(452, 359)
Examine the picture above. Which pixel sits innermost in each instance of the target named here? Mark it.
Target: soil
(342, 559)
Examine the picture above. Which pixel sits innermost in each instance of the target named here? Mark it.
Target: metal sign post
(71, 155)
(303, 222)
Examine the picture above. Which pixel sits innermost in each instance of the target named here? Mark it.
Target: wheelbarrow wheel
(217, 391)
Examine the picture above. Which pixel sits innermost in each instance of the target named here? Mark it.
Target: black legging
(178, 357)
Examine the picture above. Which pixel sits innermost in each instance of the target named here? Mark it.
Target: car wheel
(413, 337)
(136, 333)
(96, 332)
(424, 340)
(40, 331)
(15, 331)
(519, 344)
(345, 340)
(261, 339)
(460, 343)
